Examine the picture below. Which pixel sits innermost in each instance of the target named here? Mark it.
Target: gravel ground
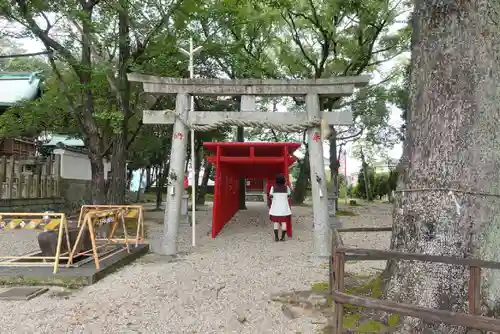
(373, 215)
(221, 286)
(18, 242)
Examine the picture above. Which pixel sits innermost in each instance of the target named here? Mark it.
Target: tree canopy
(94, 44)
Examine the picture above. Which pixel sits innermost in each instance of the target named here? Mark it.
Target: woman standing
(279, 211)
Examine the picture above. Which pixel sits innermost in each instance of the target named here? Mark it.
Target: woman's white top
(279, 203)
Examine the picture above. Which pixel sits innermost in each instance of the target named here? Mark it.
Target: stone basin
(47, 240)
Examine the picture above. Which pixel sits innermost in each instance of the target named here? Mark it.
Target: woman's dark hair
(280, 179)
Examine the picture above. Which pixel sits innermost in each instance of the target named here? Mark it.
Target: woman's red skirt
(283, 219)
(280, 219)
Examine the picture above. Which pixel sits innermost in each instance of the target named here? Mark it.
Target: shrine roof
(18, 86)
(262, 149)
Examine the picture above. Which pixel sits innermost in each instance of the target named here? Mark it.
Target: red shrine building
(257, 162)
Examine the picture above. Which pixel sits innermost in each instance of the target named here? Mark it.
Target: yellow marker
(14, 223)
(33, 224)
(131, 214)
(52, 225)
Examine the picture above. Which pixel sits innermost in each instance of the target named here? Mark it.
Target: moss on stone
(393, 320)
(353, 316)
(371, 326)
(351, 321)
(64, 281)
(372, 288)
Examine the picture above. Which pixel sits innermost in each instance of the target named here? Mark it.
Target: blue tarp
(134, 183)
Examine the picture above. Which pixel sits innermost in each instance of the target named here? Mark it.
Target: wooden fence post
(10, 178)
(475, 290)
(44, 179)
(57, 175)
(3, 174)
(17, 179)
(36, 186)
(338, 310)
(28, 184)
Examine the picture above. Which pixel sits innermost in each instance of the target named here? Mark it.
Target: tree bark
(197, 167)
(452, 143)
(93, 139)
(368, 190)
(98, 187)
(160, 184)
(119, 153)
(334, 170)
(300, 189)
(149, 178)
(204, 183)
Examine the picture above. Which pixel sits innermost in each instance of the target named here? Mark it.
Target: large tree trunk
(93, 139)
(300, 189)
(452, 143)
(149, 172)
(197, 166)
(334, 172)
(160, 184)
(98, 186)
(119, 153)
(368, 190)
(204, 183)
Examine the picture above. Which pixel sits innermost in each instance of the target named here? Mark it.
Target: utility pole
(345, 175)
(192, 51)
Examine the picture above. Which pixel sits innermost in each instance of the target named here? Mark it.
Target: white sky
(353, 164)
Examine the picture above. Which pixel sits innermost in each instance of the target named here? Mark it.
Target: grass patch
(346, 213)
(320, 287)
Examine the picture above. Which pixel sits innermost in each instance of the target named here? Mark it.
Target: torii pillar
(312, 89)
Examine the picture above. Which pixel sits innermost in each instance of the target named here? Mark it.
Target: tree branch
(296, 38)
(49, 42)
(352, 136)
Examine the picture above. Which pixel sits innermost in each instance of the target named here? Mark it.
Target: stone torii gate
(248, 89)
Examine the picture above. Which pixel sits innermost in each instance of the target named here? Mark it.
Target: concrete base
(84, 275)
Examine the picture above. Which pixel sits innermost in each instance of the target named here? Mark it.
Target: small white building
(75, 165)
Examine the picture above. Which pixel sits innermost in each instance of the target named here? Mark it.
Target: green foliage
(400, 97)
(361, 189)
(381, 184)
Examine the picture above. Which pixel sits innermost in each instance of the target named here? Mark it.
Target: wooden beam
(377, 254)
(365, 229)
(339, 86)
(426, 314)
(211, 117)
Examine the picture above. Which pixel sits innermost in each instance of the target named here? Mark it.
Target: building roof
(65, 140)
(18, 86)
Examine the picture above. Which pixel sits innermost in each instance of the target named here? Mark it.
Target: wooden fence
(342, 254)
(29, 178)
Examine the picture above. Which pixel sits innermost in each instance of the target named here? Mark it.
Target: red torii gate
(258, 160)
